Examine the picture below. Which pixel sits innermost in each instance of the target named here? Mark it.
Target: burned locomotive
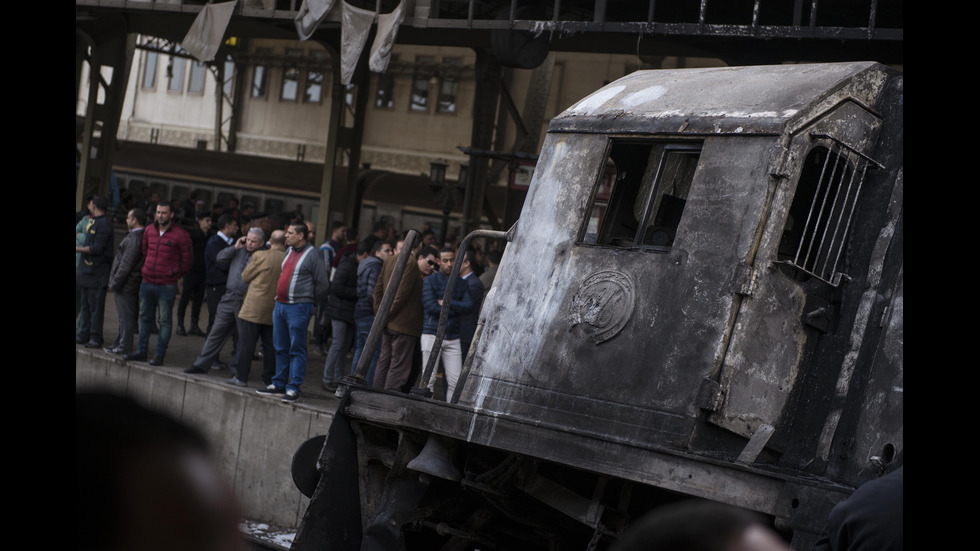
(702, 298)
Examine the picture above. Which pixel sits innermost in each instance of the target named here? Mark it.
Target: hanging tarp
(208, 30)
(385, 38)
(354, 29)
(310, 14)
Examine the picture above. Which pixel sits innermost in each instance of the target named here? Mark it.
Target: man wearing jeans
(168, 254)
(302, 284)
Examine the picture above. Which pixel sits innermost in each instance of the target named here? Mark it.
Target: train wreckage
(702, 298)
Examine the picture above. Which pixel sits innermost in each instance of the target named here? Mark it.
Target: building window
(196, 83)
(260, 73)
(290, 75)
(448, 86)
(386, 89)
(420, 83)
(815, 232)
(150, 70)
(176, 75)
(313, 92)
(228, 84)
(641, 194)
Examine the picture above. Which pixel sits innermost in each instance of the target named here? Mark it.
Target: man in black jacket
(194, 282)
(125, 279)
(340, 309)
(92, 275)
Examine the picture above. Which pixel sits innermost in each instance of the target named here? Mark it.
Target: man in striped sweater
(303, 283)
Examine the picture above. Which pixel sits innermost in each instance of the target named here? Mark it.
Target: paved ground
(182, 351)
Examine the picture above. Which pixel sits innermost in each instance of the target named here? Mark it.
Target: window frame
(384, 94)
(197, 68)
(316, 75)
(177, 75)
(837, 222)
(647, 190)
(291, 73)
(424, 69)
(259, 85)
(148, 71)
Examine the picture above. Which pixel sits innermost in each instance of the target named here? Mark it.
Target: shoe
(329, 387)
(135, 357)
(236, 382)
(156, 360)
(271, 390)
(196, 331)
(290, 396)
(180, 331)
(93, 344)
(194, 369)
(113, 350)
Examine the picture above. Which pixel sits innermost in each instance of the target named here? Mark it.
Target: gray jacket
(236, 260)
(125, 275)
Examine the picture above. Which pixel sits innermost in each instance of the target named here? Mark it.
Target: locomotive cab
(702, 298)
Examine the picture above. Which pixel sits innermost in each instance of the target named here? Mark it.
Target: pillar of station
(533, 116)
(109, 57)
(340, 136)
(486, 98)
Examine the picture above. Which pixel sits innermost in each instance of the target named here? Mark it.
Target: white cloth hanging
(355, 25)
(208, 30)
(388, 24)
(309, 16)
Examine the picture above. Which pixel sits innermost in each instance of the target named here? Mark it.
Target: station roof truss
(736, 31)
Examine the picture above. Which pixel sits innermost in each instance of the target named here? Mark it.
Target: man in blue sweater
(433, 291)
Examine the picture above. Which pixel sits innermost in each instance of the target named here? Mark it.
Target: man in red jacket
(168, 255)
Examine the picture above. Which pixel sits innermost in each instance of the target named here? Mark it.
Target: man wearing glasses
(404, 325)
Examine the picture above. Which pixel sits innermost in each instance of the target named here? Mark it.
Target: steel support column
(333, 129)
(102, 119)
(488, 82)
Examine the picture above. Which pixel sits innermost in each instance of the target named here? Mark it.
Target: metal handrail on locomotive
(702, 299)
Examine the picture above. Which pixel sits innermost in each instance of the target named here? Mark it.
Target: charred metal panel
(634, 375)
(703, 359)
(778, 326)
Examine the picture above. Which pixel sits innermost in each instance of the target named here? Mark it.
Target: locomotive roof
(765, 99)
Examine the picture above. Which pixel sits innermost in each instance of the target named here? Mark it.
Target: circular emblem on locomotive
(602, 305)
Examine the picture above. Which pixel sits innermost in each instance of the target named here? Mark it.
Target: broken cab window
(641, 194)
(815, 233)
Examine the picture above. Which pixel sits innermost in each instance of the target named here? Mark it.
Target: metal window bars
(831, 209)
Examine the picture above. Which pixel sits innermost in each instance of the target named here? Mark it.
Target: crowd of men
(263, 282)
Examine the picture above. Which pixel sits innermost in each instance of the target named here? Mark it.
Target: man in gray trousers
(236, 258)
(124, 281)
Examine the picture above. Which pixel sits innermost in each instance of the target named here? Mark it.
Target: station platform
(254, 437)
(182, 351)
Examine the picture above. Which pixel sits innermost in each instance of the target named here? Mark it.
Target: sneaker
(290, 396)
(271, 390)
(236, 382)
